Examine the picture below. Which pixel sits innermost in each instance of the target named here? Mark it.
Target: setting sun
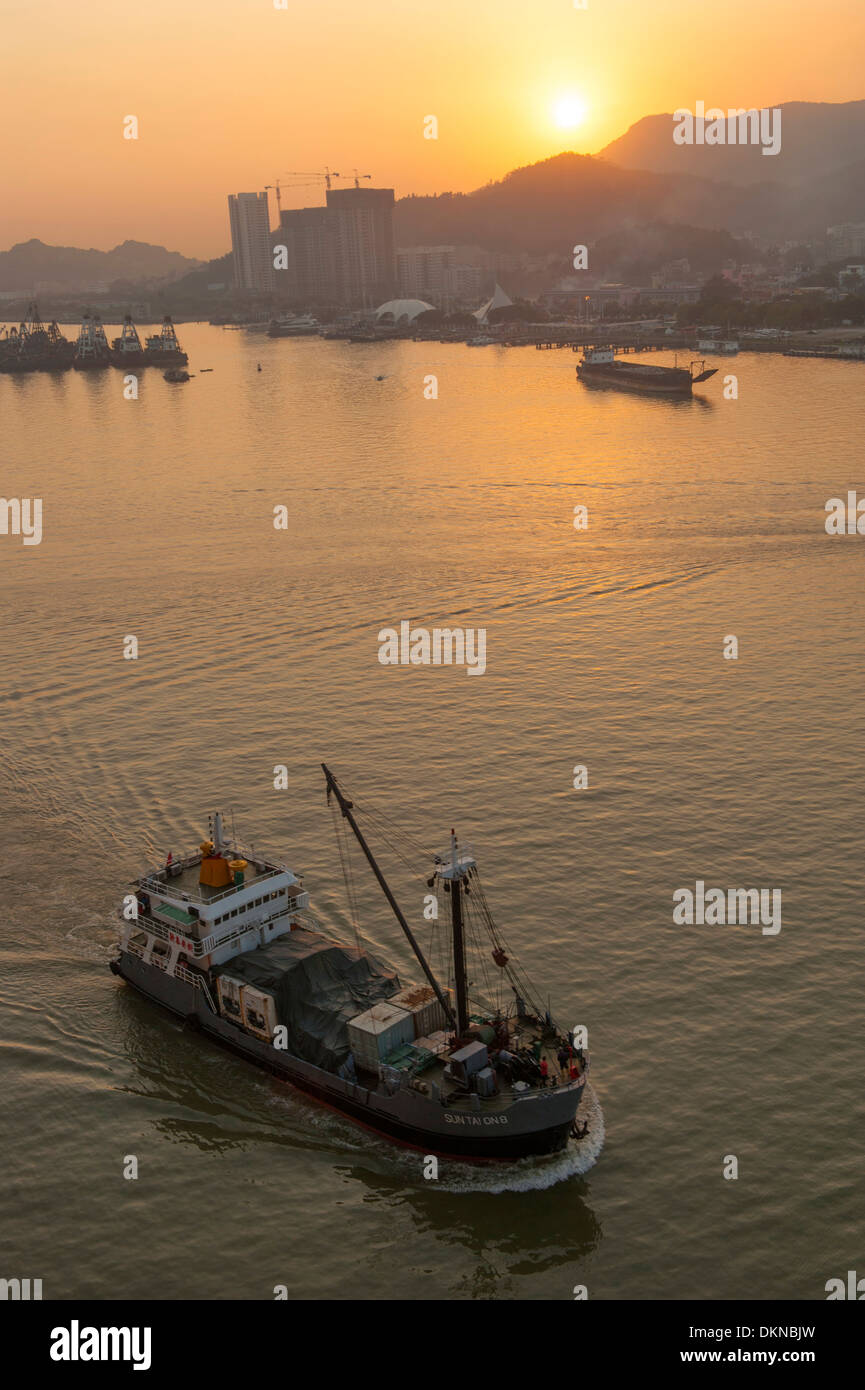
(569, 111)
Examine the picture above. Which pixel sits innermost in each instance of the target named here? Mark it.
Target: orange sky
(233, 93)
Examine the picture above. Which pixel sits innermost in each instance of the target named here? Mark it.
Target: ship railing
(161, 886)
(207, 944)
(193, 978)
(217, 939)
(181, 972)
(137, 949)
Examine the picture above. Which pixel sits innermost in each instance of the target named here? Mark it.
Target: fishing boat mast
(453, 876)
(459, 1023)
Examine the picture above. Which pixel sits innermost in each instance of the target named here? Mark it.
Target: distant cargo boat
(725, 346)
(222, 937)
(57, 352)
(126, 351)
(599, 367)
(163, 349)
(92, 352)
(293, 326)
(34, 348)
(11, 359)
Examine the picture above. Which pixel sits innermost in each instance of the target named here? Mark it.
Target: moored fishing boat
(224, 938)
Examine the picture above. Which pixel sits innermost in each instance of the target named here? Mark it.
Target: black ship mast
(460, 1023)
(454, 882)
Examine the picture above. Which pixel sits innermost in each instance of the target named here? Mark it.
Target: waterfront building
(363, 220)
(846, 240)
(250, 242)
(312, 274)
(436, 273)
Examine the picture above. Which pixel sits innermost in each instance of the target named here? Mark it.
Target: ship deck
(525, 1036)
(646, 369)
(184, 884)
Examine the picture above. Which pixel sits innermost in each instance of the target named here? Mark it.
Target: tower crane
(357, 177)
(312, 174)
(327, 175)
(277, 190)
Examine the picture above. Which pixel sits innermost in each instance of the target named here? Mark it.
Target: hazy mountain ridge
(569, 198)
(551, 205)
(816, 138)
(30, 261)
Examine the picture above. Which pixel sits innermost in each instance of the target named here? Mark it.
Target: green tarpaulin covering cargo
(318, 986)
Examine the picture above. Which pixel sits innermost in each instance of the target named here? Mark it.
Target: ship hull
(536, 1124)
(128, 359)
(156, 357)
(292, 332)
(627, 376)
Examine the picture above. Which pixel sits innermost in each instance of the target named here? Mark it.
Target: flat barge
(599, 367)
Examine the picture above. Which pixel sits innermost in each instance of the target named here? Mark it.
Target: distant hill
(548, 207)
(555, 204)
(816, 138)
(31, 262)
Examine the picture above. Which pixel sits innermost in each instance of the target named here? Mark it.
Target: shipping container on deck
(374, 1035)
(422, 1003)
(230, 993)
(259, 1012)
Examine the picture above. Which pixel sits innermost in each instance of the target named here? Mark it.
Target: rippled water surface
(259, 647)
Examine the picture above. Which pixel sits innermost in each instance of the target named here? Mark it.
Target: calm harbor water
(258, 647)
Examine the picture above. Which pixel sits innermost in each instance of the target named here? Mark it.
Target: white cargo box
(422, 1003)
(486, 1082)
(259, 1012)
(374, 1035)
(469, 1060)
(229, 992)
(436, 1044)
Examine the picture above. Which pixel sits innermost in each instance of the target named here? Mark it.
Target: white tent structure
(402, 310)
(500, 300)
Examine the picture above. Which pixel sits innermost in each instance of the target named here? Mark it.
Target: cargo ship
(126, 351)
(599, 367)
(34, 348)
(92, 352)
(223, 937)
(162, 349)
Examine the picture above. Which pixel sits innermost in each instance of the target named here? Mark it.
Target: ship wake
(534, 1174)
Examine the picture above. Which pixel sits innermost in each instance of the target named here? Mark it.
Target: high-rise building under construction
(342, 253)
